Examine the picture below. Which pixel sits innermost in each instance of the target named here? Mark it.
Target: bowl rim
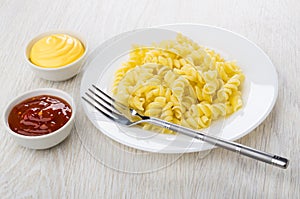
(51, 32)
(21, 98)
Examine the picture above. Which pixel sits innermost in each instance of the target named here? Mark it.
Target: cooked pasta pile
(180, 82)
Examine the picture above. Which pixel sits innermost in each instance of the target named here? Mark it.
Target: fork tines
(103, 103)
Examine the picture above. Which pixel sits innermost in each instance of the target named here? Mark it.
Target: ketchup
(39, 115)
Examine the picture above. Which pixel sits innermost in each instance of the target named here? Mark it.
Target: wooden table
(70, 170)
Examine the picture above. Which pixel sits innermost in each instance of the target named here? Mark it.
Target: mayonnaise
(56, 50)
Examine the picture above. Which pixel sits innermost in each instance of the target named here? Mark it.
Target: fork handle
(232, 146)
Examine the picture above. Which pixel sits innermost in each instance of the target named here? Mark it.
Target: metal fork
(124, 115)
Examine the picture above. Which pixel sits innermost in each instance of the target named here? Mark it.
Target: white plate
(259, 90)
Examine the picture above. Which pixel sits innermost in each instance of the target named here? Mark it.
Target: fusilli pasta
(180, 82)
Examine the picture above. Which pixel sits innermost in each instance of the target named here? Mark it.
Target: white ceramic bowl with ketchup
(46, 140)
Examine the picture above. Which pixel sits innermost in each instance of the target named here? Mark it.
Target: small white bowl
(41, 141)
(61, 73)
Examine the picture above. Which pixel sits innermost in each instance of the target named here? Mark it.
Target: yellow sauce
(56, 50)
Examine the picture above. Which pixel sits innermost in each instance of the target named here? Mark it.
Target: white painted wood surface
(71, 171)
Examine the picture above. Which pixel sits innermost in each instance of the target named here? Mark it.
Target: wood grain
(70, 170)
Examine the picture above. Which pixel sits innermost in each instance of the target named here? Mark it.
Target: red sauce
(39, 115)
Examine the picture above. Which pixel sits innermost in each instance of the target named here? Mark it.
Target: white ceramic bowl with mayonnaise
(60, 73)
